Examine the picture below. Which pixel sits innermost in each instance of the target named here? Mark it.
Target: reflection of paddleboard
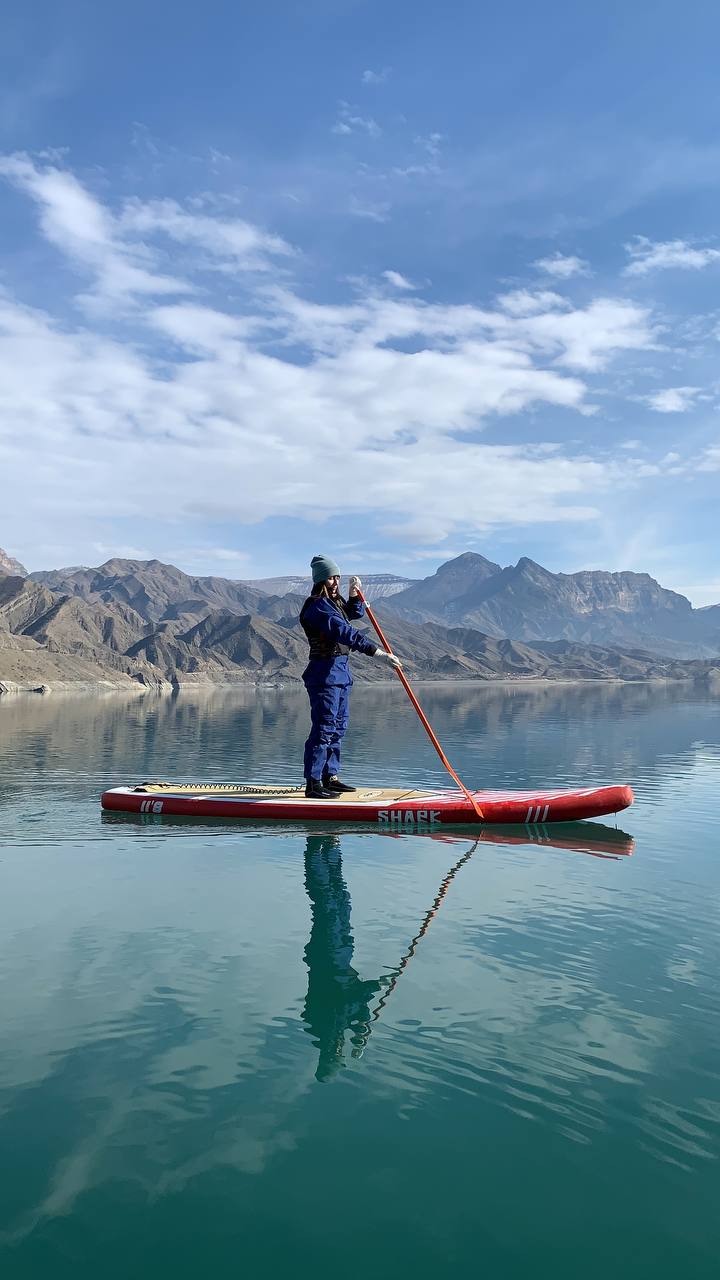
(578, 837)
(392, 807)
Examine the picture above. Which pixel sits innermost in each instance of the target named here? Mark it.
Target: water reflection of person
(338, 1000)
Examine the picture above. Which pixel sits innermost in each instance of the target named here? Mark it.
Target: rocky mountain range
(378, 586)
(144, 622)
(527, 602)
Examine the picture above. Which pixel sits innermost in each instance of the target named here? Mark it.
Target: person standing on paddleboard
(326, 618)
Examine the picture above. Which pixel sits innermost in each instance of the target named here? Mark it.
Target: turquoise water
(323, 1052)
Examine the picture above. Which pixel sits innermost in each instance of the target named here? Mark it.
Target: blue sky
(387, 280)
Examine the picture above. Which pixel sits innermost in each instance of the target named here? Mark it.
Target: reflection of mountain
(157, 1045)
(108, 1100)
(496, 736)
(338, 1000)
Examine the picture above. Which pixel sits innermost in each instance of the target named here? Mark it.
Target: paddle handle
(423, 718)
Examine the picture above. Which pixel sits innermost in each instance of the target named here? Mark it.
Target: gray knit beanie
(322, 568)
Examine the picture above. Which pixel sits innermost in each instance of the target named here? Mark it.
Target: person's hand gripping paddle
(356, 586)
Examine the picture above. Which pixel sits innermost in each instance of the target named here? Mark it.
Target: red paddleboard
(387, 807)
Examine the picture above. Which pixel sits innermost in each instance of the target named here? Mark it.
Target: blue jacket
(326, 626)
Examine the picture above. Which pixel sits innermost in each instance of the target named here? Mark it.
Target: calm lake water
(257, 1052)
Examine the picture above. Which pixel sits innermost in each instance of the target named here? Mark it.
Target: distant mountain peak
(531, 569)
(116, 564)
(527, 602)
(469, 560)
(9, 565)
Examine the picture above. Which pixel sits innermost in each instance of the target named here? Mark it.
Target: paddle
(423, 718)
(395, 974)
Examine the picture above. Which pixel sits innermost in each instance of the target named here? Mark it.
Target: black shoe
(333, 783)
(315, 790)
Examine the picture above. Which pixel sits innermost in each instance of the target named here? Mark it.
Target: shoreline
(11, 689)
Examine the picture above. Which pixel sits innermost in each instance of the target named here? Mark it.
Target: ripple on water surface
(208, 1030)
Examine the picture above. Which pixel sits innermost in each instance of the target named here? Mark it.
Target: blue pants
(329, 716)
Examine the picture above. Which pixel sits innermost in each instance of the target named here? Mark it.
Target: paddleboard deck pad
(385, 806)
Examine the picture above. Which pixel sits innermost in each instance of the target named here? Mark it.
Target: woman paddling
(325, 619)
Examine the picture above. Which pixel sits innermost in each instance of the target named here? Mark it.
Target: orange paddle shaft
(423, 718)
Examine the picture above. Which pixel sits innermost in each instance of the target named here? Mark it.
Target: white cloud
(397, 280)
(526, 302)
(349, 121)
(114, 250)
(235, 243)
(431, 143)
(375, 77)
(418, 530)
(77, 224)
(583, 338)
(236, 433)
(648, 256)
(672, 399)
(415, 170)
(710, 460)
(119, 551)
(377, 212)
(225, 554)
(563, 266)
(190, 556)
(427, 165)
(231, 425)
(202, 329)
(435, 553)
